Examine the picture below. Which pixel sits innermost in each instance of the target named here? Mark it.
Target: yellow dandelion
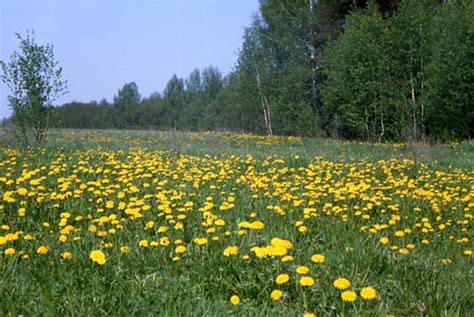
(318, 258)
(144, 243)
(306, 281)
(98, 257)
(342, 283)
(66, 255)
(232, 250)
(276, 294)
(368, 293)
(9, 251)
(180, 249)
(42, 250)
(302, 270)
(235, 300)
(348, 296)
(124, 249)
(282, 279)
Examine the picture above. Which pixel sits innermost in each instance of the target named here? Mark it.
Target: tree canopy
(368, 70)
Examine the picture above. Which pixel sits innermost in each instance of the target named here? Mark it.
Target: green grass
(345, 189)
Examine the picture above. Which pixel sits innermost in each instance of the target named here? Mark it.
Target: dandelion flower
(180, 249)
(9, 251)
(341, 283)
(143, 243)
(306, 281)
(349, 296)
(302, 270)
(368, 293)
(232, 250)
(98, 257)
(318, 258)
(124, 249)
(42, 250)
(66, 255)
(287, 258)
(282, 279)
(276, 294)
(235, 300)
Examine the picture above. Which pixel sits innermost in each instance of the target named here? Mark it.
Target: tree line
(368, 70)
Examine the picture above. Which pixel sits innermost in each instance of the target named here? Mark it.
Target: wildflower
(342, 283)
(143, 243)
(66, 255)
(446, 261)
(282, 279)
(348, 296)
(276, 294)
(22, 191)
(9, 251)
(180, 249)
(98, 257)
(368, 293)
(42, 250)
(235, 300)
(404, 251)
(302, 270)
(232, 250)
(287, 258)
(306, 281)
(124, 249)
(165, 241)
(318, 258)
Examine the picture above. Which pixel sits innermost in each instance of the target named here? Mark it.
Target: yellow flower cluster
(264, 216)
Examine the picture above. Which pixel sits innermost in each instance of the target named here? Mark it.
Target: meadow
(217, 224)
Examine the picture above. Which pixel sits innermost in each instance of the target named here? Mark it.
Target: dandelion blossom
(318, 258)
(66, 255)
(349, 296)
(98, 257)
(302, 270)
(232, 250)
(180, 249)
(42, 250)
(368, 293)
(306, 281)
(282, 279)
(342, 283)
(9, 251)
(276, 294)
(235, 300)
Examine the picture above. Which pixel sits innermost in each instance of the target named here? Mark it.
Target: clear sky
(103, 44)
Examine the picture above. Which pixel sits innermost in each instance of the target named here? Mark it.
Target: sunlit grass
(154, 223)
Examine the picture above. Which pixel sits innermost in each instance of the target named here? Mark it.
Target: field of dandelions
(204, 224)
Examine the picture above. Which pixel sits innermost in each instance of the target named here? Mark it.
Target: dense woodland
(375, 71)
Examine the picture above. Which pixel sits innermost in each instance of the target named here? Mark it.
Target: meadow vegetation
(178, 224)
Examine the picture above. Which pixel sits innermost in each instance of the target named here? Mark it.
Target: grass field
(205, 224)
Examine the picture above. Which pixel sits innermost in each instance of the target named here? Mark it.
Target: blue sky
(103, 44)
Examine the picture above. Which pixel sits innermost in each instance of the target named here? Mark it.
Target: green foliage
(403, 77)
(373, 70)
(34, 79)
(126, 98)
(451, 72)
